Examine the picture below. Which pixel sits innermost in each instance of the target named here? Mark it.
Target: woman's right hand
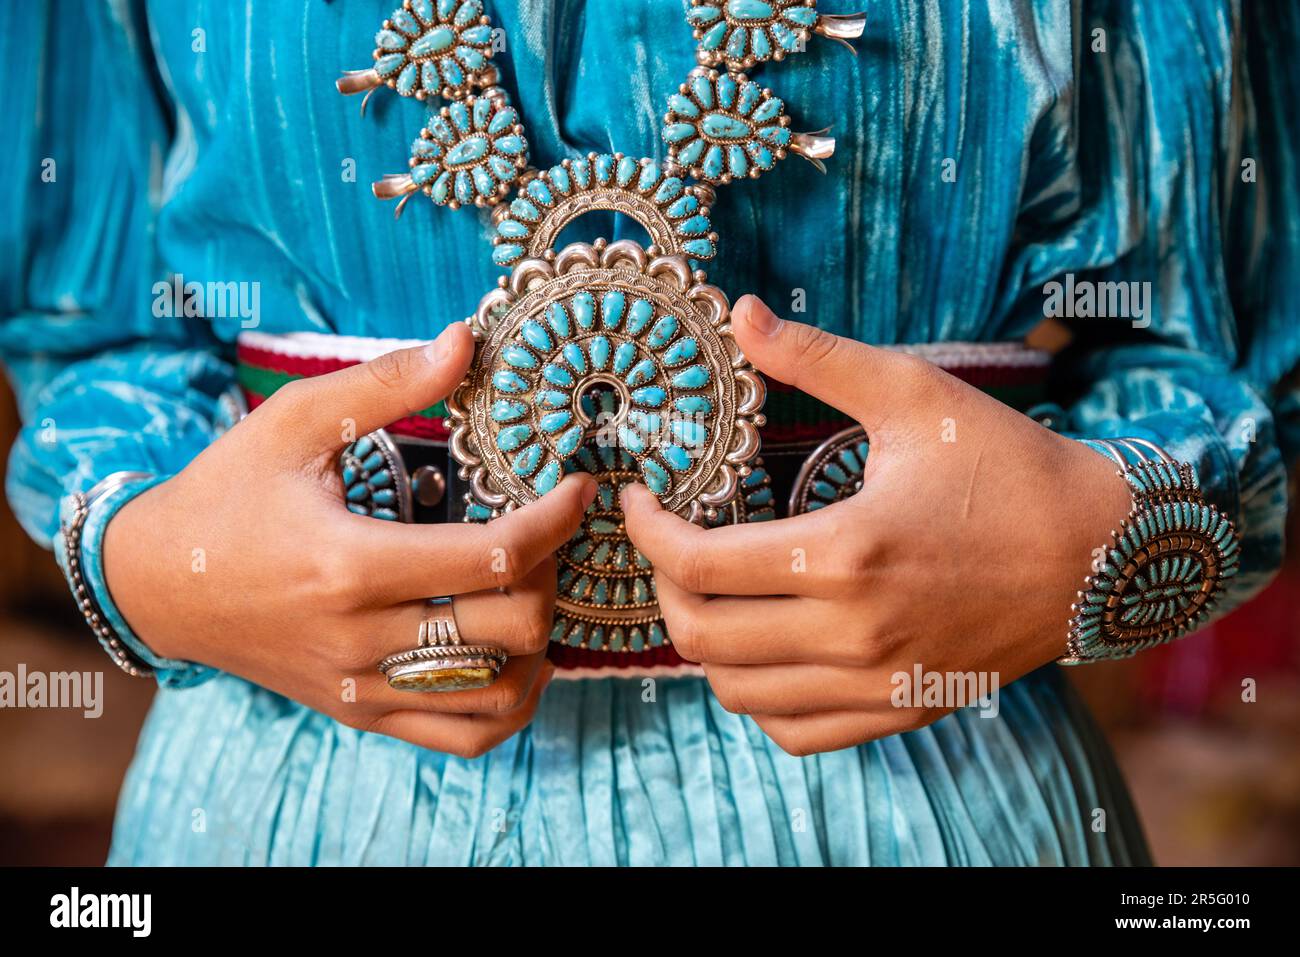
(248, 561)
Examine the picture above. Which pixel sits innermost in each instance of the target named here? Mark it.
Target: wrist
(118, 543)
(1093, 501)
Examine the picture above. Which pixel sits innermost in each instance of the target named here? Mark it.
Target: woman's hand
(248, 561)
(973, 531)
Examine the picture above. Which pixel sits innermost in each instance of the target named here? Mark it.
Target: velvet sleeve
(108, 377)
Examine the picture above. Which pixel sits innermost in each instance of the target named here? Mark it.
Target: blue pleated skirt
(228, 773)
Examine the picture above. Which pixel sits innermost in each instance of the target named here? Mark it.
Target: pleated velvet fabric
(611, 774)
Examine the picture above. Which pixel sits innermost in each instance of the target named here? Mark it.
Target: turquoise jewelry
(375, 482)
(440, 663)
(70, 531)
(743, 33)
(832, 473)
(609, 358)
(1167, 564)
(429, 48)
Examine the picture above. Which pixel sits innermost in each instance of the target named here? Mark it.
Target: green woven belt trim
(265, 382)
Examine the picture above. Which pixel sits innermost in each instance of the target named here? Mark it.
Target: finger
(861, 380)
(751, 631)
(507, 694)
(369, 396)
(516, 619)
(722, 561)
(787, 689)
(396, 562)
(467, 736)
(805, 734)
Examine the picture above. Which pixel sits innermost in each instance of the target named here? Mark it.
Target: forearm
(133, 412)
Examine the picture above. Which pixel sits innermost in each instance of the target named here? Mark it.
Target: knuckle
(391, 369)
(693, 569)
(506, 696)
(347, 654)
(730, 699)
(684, 632)
(795, 741)
(812, 346)
(535, 634)
(369, 722)
(292, 399)
(335, 579)
(862, 647)
(852, 564)
(918, 376)
(474, 745)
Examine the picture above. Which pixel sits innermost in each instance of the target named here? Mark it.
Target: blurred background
(1216, 779)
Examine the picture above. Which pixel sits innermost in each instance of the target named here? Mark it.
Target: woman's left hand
(962, 553)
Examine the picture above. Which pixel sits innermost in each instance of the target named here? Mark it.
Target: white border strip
(319, 345)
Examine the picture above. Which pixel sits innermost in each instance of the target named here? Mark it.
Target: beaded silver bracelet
(71, 530)
(1166, 566)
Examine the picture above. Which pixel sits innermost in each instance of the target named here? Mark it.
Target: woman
(983, 153)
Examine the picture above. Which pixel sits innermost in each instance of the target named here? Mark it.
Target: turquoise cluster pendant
(615, 359)
(429, 48)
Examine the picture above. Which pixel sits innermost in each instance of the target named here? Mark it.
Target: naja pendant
(617, 360)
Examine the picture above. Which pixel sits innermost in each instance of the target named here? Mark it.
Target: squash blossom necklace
(608, 358)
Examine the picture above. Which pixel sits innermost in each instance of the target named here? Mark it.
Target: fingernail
(760, 317)
(588, 493)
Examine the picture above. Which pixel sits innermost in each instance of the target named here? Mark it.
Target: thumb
(855, 378)
(377, 393)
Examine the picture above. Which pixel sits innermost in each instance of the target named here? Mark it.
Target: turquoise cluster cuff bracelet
(1166, 566)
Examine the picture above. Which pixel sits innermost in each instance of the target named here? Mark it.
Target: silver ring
(440, 663)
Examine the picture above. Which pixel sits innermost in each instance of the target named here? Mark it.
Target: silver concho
(832, 473)
(614, 318)
(617, 361)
